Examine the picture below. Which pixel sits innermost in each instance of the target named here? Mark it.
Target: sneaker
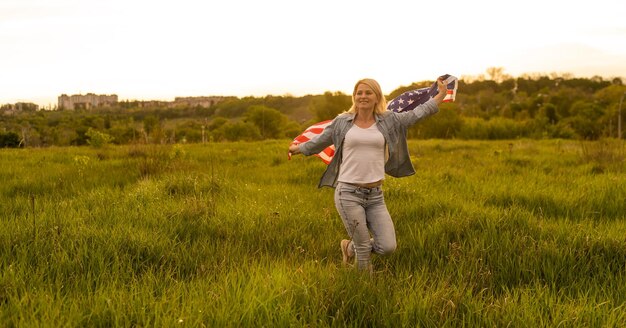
(345, 252)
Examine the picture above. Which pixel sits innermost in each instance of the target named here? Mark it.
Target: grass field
(515, 233)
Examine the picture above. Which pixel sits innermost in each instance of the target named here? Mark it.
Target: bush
(98, 139)
(446, 124)
(9, 140)
(494, 129)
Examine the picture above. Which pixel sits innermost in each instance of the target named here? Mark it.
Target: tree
(9, 140)
(239, 131)
(585, 121)
(80, 136)
(122, 134)
(153, 129)
(549, 112)
(446, 124)
(497, 74)
(150, 123)
(292, 129)
(269, 121)
(330, 105)
(216, 123)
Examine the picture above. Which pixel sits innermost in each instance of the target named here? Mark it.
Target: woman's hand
(294, 149)
(443, 90)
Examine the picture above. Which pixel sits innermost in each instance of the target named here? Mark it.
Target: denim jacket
(393, 127)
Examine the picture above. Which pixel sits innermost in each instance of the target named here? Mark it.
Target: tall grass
(508, 233)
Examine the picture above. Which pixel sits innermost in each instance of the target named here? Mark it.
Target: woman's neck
(364, 119)
(366, 116)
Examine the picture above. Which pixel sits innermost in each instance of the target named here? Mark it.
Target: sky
(158, 50)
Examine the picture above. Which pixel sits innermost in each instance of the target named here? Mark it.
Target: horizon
(154, 50)
(49, 106)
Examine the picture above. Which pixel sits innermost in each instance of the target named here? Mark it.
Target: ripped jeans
(363, 211)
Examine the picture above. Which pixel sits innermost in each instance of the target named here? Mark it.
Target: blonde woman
(369, 142)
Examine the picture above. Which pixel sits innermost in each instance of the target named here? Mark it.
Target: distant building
(153, 104)
(204, 102)
(87, 101)
(18, 107)
(91, 100)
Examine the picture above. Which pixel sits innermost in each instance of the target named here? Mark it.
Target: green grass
(511, 233)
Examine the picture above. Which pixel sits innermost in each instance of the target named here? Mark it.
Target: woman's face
(365, 98)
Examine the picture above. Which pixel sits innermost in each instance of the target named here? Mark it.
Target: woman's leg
(350, 205)
(380, 224)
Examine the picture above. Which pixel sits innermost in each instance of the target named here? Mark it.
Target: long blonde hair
(381, 103)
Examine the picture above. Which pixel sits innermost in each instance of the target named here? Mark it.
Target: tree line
(496, 106)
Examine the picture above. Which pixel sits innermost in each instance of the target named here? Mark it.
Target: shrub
(98, 139)
(9, 139)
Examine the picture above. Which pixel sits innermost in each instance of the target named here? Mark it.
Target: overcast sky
(157, 50)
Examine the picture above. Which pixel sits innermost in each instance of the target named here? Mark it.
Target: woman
(369, 142)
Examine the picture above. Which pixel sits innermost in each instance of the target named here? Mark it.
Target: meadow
(519, 233)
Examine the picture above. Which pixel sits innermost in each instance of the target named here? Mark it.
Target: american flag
(327, 154)
(402, 103)
(411, 99)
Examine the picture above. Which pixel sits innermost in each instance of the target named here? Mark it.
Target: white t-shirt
(363, 159)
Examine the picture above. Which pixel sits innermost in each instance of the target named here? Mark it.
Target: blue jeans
(363, 211)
